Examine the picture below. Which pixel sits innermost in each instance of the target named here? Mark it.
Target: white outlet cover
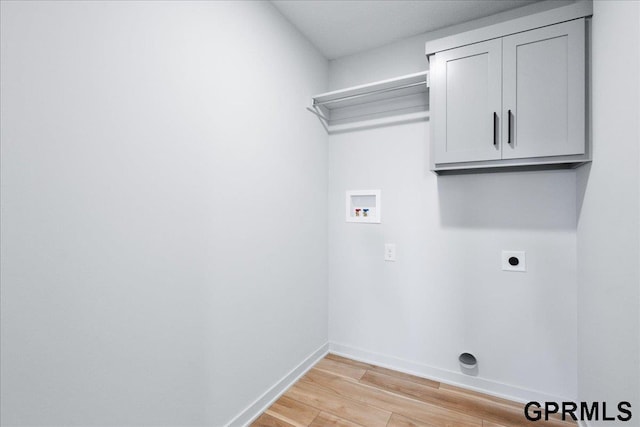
(507, 261)
(389, 251)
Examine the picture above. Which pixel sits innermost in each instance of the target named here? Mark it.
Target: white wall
(163, 210)
(609, 218)
(446, 294)
(365, 66)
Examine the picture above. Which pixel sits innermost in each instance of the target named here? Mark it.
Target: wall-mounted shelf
(384, 102)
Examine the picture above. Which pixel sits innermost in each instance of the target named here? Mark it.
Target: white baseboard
(482, 385)
(249, 414)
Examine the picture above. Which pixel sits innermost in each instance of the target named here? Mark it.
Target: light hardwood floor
(345, 393)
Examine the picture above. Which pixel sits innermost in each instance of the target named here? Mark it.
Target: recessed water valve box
(513, 261)
(363, 206)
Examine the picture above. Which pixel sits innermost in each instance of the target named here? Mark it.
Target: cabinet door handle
(509, 127)
(495, 128)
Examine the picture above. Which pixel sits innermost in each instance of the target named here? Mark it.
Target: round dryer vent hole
(468, 360)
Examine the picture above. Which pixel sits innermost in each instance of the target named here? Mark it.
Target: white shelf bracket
(324, 120)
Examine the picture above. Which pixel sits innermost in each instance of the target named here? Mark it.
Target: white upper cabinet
(513, 101)
(466, 90)
(543, 78)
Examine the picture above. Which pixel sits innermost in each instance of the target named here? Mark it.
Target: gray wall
(609, 215)
(446, 294)
(365, 66)
(163, 210)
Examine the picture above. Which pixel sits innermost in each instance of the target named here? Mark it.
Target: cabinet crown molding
(579, 9)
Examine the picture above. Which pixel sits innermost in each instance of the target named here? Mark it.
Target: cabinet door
(544, 92)
(466, 86)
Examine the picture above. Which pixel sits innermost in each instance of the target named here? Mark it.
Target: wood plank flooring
(342, 392)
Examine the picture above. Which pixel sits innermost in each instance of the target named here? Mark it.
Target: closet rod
(344, 98)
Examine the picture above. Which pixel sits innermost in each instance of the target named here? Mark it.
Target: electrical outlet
(389, 251)
(513, 261)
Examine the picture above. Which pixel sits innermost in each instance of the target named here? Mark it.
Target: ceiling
(340, 28)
